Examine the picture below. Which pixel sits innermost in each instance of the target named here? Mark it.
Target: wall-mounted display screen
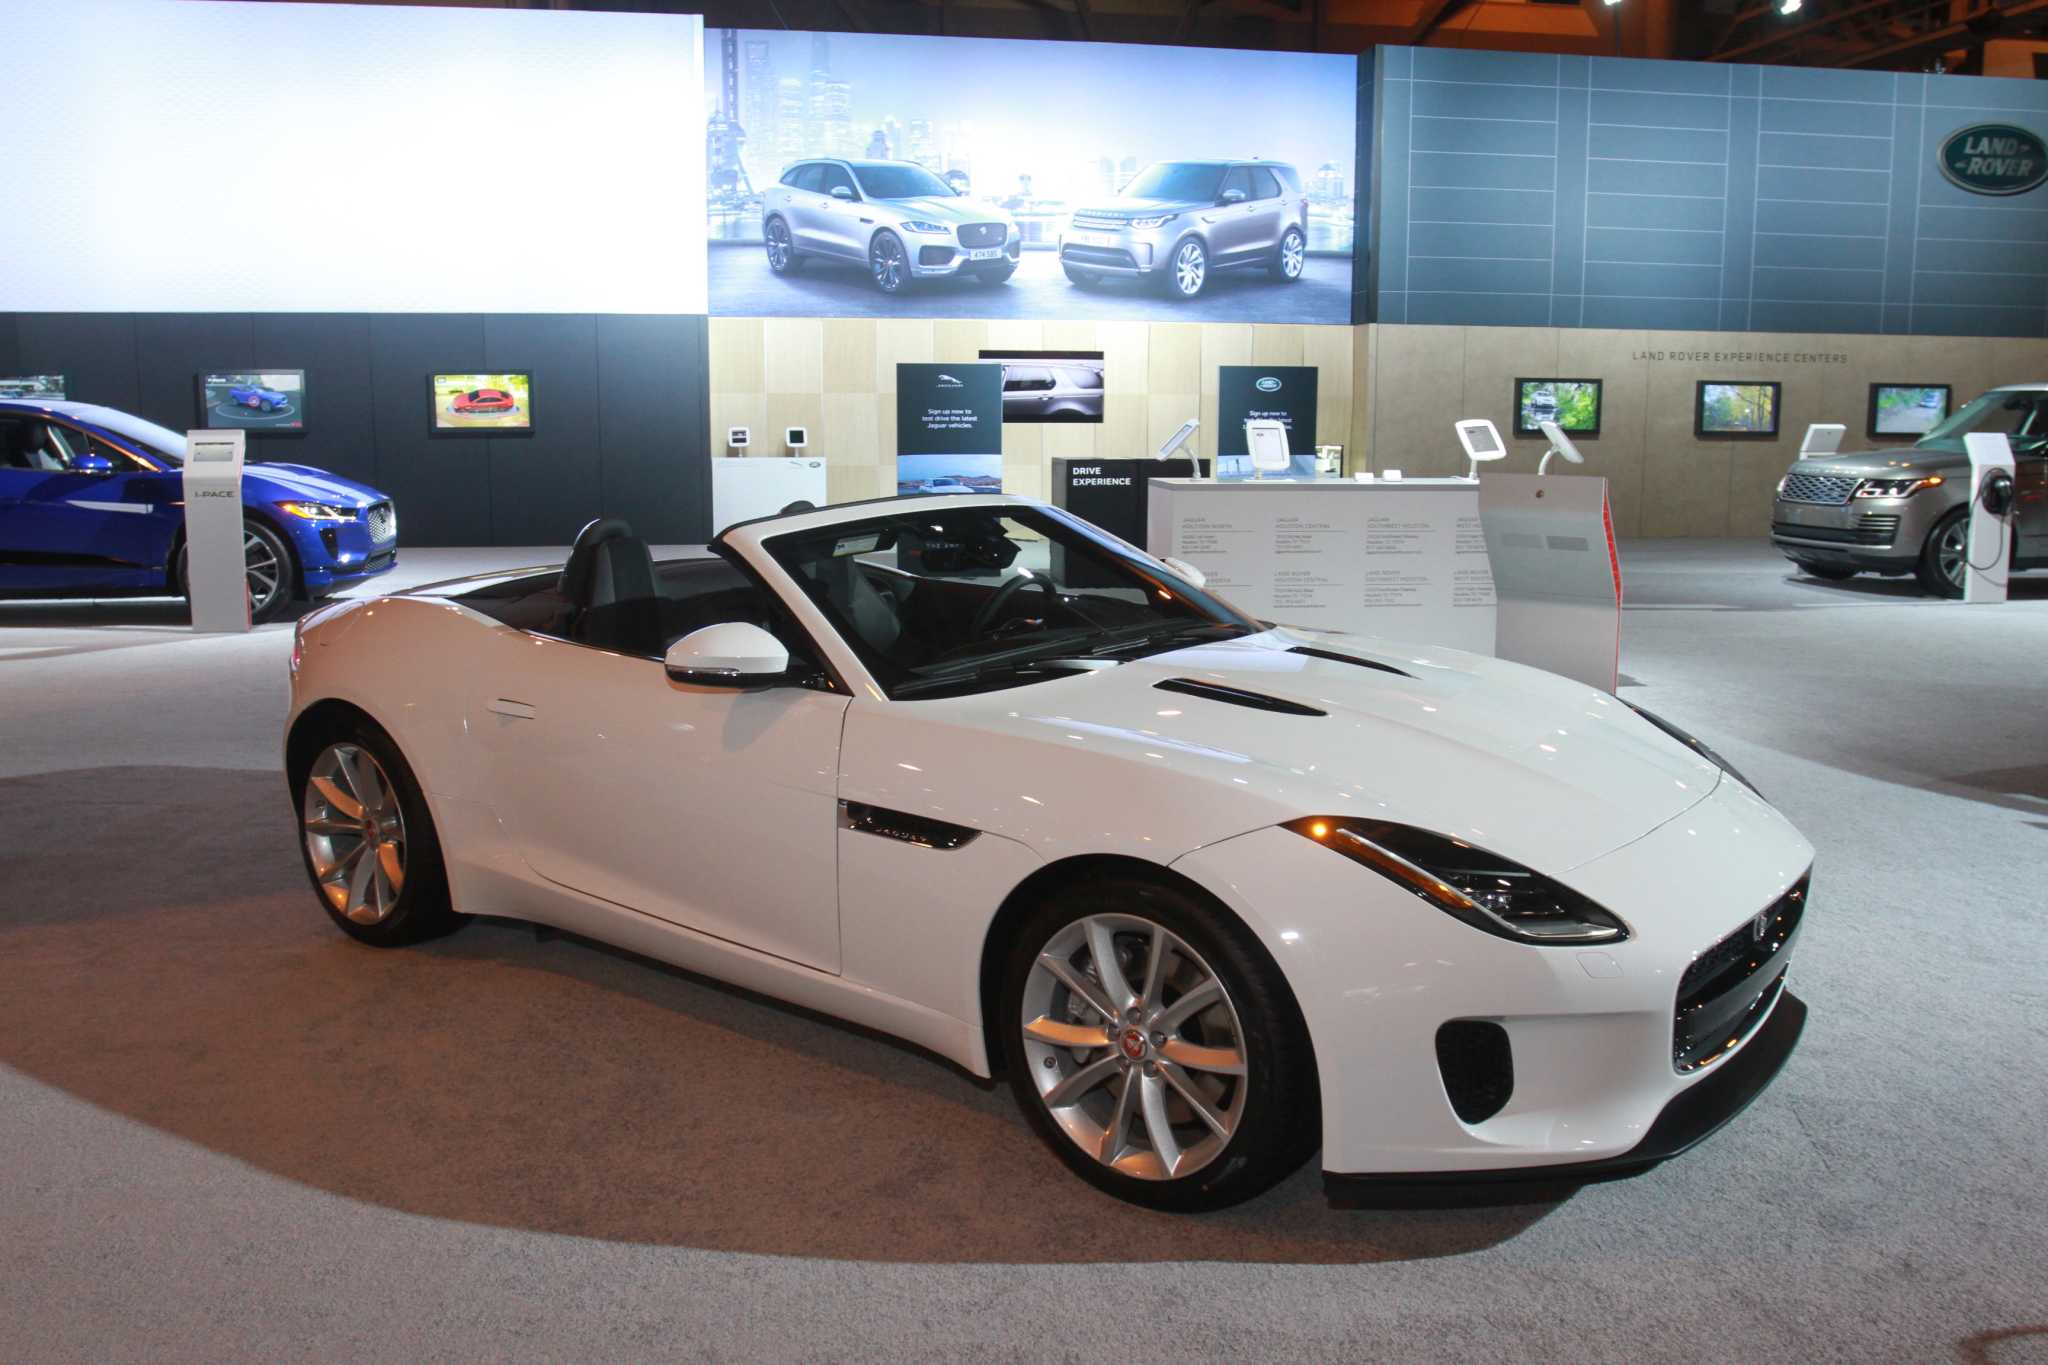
(1050, 386)
(907, 175)
(1740, 409)
(271, 401)
(32, 386)
(1906, 409)
(481, 404)
(1574, 404)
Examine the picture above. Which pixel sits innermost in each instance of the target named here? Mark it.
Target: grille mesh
(383, 522)
(1831, 490)
(983, 234)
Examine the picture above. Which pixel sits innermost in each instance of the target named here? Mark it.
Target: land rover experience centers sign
(1994, 158)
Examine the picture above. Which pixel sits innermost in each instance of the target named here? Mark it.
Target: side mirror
(841, 192)
(1187, 571)
(91, 464)
(733, 654)
(1232, 197)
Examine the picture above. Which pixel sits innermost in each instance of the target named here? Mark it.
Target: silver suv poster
(853, 174)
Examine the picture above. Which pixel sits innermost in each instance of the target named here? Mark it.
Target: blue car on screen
(254, 396)
(92, 505)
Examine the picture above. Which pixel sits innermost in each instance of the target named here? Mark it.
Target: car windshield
(900, 182)
(160, 443)
(2021, 416)
(1192, 180)
(954, 600)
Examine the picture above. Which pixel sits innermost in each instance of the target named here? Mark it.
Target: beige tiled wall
(837, 377)
(1414, 381)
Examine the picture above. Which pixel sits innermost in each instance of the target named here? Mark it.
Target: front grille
(1098, 221)
(378, 560)
(1098, 255)
(1730, 987)
(934, 255)
(383, 519)
(983, 234)
(1878, 531)
(1829, 490)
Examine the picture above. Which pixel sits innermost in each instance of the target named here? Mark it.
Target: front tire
(1289, 256)
(1156, 1047)
(887, 265)
(1940, 567)
(1187, 270)
(269, 565)
(369, 843)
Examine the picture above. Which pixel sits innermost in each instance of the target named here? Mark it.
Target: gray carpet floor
(226, 1132)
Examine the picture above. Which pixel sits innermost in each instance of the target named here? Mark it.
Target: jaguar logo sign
(1268, 385)
(1994, 158)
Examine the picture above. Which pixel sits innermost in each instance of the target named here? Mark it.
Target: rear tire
(386, 888)
(783, 257)
(1290, 256)
(1217, 1019)
(1943, 555)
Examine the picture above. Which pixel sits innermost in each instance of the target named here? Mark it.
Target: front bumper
(1591, 1031)
(934, 257)
(1880, 534)
(1119, 251)
(335, 554)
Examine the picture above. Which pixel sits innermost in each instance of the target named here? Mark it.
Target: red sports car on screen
(483, 401)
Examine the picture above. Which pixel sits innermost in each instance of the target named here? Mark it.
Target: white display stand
(742, 489)
(1401, 559)
(1550, 538)
(1987, 549)
(217, 571)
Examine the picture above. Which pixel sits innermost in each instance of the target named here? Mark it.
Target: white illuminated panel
(199, 156)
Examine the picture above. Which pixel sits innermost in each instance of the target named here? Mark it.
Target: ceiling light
(1789, 6)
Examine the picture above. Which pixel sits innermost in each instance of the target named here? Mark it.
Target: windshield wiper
(1179, 634)
(988, 672)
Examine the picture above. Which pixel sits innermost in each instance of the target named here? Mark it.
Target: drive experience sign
(1994, 158)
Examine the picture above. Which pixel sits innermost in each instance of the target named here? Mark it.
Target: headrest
(608, 563)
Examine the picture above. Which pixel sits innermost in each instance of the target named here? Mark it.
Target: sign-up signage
(1282, 393)
(949, 428)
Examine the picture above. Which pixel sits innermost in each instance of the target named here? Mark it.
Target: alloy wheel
(265, 570)
(1190, 265)
(1292, 255)
(778, 246)
(1951, 551)
(1134, 1046)
(355, 833)
(886, 258)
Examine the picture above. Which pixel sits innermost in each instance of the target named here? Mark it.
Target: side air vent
(921, 830)
(1478, 1066)
(1334, 657)
(1236, 696)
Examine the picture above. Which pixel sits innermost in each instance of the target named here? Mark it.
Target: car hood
(277, 481)
(1140, 208)
(950, 210)
(1527, 764)
(1880, 464)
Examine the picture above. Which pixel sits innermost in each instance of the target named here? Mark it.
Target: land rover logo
(1268, 385)
(1994, 158)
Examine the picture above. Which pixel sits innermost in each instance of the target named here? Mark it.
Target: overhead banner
(894, 175)
(1282, 393)
(949, 428)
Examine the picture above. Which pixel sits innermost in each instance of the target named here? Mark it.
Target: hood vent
(1337, 658)
(1236, 696)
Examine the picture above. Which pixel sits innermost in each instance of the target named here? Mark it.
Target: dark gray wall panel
(1694, 196)
(544, 487)
(10, 346)
(341, 421)
(653, 416)
(442, 484)
(95, 352)
(171, 350)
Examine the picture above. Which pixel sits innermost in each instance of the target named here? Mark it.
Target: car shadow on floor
(2027, 587)
(179, 973)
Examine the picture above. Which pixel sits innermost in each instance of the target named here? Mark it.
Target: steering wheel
(991, 611)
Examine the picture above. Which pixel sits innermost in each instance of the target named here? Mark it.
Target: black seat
(609, 585)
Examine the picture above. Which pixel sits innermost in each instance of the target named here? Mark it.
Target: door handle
(517, 710)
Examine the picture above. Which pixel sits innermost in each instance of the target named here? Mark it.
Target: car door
(843, 222)
(69, 522)
(1268, 210)
(1026, 391)
(710, 808)
(803, 209)
(1234, 227)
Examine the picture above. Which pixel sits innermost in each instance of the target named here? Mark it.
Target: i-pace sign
(1994, 158)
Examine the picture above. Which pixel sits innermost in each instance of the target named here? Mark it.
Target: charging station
(1987, 550)
(216, 565)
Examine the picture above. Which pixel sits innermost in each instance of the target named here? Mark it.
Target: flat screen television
(1907, 409)
(1737, 409)
(49, 386)
(481, 404)
(1574, 404)
(269, 401)
(1050, 386)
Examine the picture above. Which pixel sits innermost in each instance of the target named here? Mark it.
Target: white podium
(746, 487)
(1556, 572)
(1987, 549)
(216, 570)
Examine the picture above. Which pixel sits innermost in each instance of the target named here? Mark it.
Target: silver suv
(1048, 391)
(1178, 222)
(1907, 511)
(895, 217)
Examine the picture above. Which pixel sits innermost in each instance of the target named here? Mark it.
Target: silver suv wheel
(1293, 254)
(1190, 268)
(886, 259)
(780, 253)
(1134, 1046)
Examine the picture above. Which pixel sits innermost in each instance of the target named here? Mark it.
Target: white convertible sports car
(966, 770)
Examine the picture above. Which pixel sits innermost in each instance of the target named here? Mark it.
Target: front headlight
(1493, 894)
(919, 225)
(318, 511)
(1896, 488)
(1689, 742)
(1160, 221)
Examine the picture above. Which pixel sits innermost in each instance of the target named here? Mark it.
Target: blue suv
(92, 505)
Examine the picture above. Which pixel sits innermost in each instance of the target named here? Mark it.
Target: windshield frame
(1007, 663)
(155, 443)
(869, 191)
(1218, 169)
